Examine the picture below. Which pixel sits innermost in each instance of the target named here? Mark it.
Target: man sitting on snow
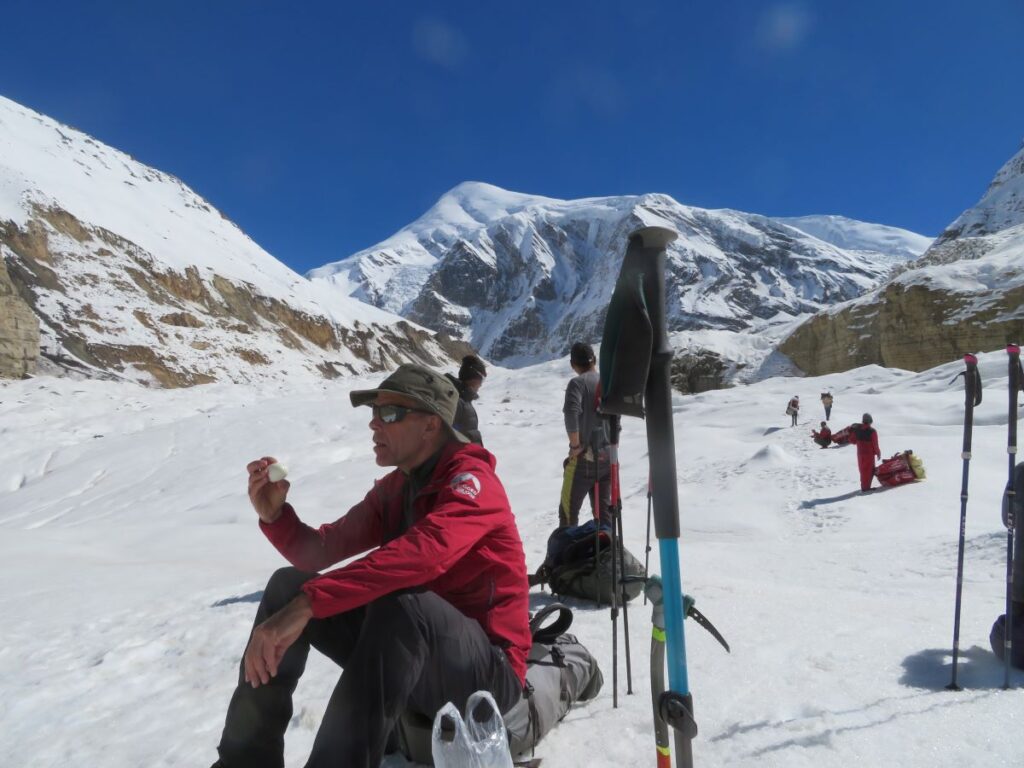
(437, 611)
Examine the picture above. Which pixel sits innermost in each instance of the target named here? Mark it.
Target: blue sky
(321, 128)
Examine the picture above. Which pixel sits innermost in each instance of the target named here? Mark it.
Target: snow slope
(134, 565)
(119, 256)
(890, 244)
(1001, 207)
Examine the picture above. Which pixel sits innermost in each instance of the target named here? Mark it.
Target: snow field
(133, 566)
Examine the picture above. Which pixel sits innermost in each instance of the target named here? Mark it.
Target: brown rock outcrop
(912, 327)
(19, 330)
(114, 309)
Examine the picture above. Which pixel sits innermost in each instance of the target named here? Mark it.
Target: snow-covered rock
(965, 294)
(130, 273)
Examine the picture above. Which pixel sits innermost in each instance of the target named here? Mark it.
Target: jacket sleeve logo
(466, 484)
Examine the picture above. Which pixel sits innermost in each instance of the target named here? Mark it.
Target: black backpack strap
(547, 634)
(533, 717)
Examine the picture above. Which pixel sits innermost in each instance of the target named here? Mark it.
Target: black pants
(578, 478)
(405, 651)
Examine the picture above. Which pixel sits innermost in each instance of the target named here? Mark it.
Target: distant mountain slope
(965, 294)
(128, 272)
(521, 276)
(888, 243)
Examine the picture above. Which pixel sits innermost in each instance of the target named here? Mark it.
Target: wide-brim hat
(431, 391)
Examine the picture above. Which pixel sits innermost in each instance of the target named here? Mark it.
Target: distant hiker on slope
(823, 436)
(793, 409)
(471, 377)
(587, 462)
(438, 609)
(866, 438)
(826, 401)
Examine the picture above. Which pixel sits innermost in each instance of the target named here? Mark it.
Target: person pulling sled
(866, 439)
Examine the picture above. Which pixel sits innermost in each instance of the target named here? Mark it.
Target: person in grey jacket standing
(471, 377)
(587, 463)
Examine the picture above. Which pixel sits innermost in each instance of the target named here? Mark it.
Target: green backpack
(581, 577)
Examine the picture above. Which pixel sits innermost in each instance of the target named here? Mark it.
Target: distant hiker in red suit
(822, 436)
(866, 438)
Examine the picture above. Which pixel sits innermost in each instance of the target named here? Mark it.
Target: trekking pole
(1016, 381)
(653, 590)
(635, 362)
(613, 458)
(647, 551)
(656, 593)
(618, 568)
(624, 598)
(972, 398)
(597, 526)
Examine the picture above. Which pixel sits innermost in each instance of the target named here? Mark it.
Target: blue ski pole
(635, 362)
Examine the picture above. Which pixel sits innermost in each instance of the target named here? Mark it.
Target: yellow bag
(916, 465)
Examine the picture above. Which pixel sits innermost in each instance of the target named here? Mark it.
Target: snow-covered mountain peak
(1001, 207)
(519, 276)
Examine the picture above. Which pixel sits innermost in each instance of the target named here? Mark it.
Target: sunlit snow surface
(132, 566)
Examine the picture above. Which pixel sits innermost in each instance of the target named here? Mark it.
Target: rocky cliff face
(520, 277)
(115, 269)
(107, 306)
(19, 331)
(965, 294)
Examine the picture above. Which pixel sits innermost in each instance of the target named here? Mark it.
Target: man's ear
(436, 424)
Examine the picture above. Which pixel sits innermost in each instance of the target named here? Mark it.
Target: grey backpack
(559, 672)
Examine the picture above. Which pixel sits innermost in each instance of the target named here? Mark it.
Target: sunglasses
(392, 414)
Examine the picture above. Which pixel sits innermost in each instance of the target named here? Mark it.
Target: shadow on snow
(978, 668)
(252, 597)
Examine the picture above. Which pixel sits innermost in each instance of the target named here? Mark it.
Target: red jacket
(463, 545)
(867, 442)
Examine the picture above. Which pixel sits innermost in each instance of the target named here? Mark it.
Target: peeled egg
(277, 472)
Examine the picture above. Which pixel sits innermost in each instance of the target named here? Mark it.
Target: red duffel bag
(898, 470)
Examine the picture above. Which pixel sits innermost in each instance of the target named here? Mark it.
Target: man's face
(400, 443)
(473, 385)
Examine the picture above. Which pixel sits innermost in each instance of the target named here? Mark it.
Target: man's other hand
(272, 638)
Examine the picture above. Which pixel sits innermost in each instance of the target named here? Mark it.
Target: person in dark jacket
(437, 610)
(793, 409)
(866, 438)
(587, 463)
(471, 377)
(826, 402)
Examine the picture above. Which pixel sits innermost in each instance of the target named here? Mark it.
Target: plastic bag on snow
(479, 743)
